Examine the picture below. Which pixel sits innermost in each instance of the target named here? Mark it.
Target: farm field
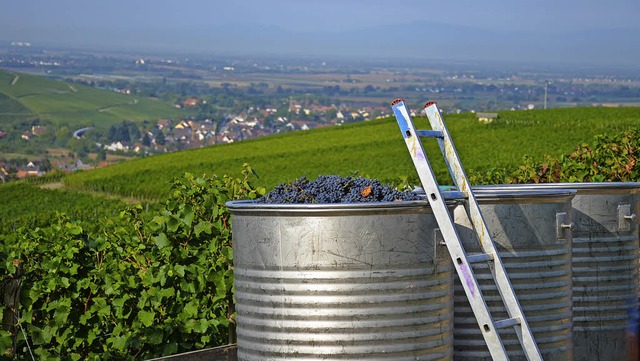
(31, 206)
(74, 104)
(372, 149)
(12, 110)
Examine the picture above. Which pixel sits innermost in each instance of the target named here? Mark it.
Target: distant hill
(76, 105)
(374, 149)
(418, 40)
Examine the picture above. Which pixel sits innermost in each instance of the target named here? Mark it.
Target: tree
(146, 140)
(160, 139)
(134, 132)
(127, 131)
(102, 155)
(45, 165)
(122, 134)
(62, 136)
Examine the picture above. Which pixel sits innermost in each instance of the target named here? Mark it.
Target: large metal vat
(605, 268)
(341, 281)
(530, 231)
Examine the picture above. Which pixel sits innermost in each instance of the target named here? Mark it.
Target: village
(169, 135)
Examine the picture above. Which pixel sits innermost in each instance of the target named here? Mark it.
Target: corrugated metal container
(605, 268)
(526, 227)
(341, 281)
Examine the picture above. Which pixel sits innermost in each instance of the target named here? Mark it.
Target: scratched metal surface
(605, 269)
(366, 282)
(523, 227)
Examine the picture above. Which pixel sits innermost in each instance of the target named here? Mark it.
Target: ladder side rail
(484, 236)
(450, 234)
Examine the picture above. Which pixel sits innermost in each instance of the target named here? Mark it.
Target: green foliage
(136, 286)
(611, 157)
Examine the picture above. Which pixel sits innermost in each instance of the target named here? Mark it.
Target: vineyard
(12, 111)
(77, 105)
(105, 280)
(26, 205)
(373, 149)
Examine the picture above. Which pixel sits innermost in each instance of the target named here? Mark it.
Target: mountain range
(610, 47)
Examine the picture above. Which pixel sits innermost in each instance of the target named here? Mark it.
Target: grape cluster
(335, 189)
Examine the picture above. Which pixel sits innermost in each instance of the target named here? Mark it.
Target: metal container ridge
(529, 229)
(605, 268)
(341, 281)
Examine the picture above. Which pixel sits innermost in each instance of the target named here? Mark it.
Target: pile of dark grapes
(335, 189)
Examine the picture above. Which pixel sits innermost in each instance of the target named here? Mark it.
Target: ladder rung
(429, 133)
(479, 257)
(507, 322)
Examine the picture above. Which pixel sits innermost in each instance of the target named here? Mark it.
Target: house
(193, 124)
(163, 124)
(79, 165)
(237, 120)
(298, 124)
(487, 117)
(191, 102)
(38, 130)
(115, 146)
(181, 133)
(27, 135)
(208, 126)
(4, 174)
(3, 134)
(182, 125)
(30, 170)
(225, 139)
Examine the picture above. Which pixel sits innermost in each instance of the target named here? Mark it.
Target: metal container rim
(451, 198)
(496, 193)
(579, 187)
(326, 208)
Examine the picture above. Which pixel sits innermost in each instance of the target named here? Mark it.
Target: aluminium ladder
(461, 260)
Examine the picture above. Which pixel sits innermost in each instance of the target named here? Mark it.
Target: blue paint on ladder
(402, 122)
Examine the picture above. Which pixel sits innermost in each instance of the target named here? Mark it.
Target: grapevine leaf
(146, 317)
(61, 314)
(74, 229)
(191, 309)
(172, 224)
(161, 241)
(179, 270)
(118, 343)
(38, 336)
(201, 227)
(170, 348)
(155, 337)
(201, 326)
(188, 217)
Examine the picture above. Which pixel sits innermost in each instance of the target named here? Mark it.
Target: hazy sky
(323, 15)
(100, 21)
